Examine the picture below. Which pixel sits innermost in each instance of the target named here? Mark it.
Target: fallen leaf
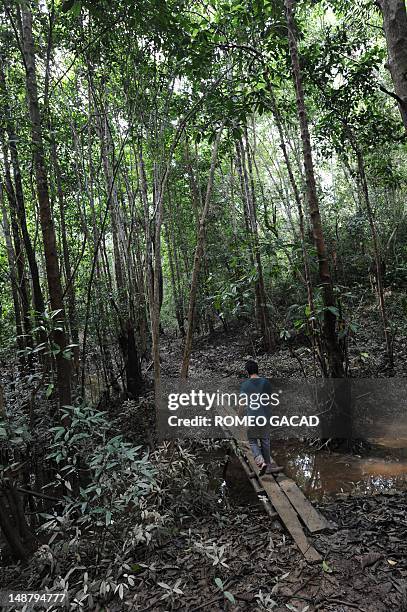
(370, 558)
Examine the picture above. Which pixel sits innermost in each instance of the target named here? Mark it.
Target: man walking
(256, 389)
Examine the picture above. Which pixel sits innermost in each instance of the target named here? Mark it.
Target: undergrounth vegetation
(127, 525)
(184, 186)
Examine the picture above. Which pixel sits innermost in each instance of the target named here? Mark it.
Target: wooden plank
(285, 510)
(279, 500)
(260, 492)
(313, 520)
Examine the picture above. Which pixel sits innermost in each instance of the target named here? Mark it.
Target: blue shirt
(253, 388)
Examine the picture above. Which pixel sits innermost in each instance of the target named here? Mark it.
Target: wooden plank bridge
(283, 499)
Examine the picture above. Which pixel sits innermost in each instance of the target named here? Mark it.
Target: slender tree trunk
(147, 229)
(134, 250)
(157, 293)
(142, 306)
(395, 30)
(376, 251)
(200, 245)
(106, 148)
(298, 202)
(265, 324)
(177, 269)
(47, 224)
(193, 185)
(11, 257)
(334, 353)
(89, 182)
(38, 299)
(21, 285)
(297, 197)
(257, 298)
(70, 288)
(179, 315)
(127, 339)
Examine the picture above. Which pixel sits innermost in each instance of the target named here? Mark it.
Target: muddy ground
(365, 565)
(365, 557)
(232, 556)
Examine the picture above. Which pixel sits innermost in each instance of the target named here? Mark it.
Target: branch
(37, 494)
(393, 95)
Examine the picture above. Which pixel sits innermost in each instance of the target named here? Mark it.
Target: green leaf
(229, 596)
(334, 310)
(326, 567)
(219, 583)
(55, 349)
(49, 390)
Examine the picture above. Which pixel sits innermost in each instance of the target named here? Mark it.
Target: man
(255, 389)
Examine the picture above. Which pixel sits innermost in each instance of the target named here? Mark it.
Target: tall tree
(38, 298)
(47, 223)
(199, 250)
(17, 249)
(13, 274)
(334, 353)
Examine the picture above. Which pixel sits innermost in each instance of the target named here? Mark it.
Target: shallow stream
(324, 474)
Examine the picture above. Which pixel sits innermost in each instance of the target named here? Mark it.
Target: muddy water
(322, 474)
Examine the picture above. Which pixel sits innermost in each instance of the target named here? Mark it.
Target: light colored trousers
(261, 448)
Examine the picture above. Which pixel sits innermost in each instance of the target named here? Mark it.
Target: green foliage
(118, 475)
(117, 502)
(227, 594)
(14, 433)
(233, 298)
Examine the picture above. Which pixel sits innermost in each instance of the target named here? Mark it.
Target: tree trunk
(38, 299)
(127, 337)
(334, 353)
(395, 30)
(128, 346)
(10, 531)
(179, 315)
(173, 247)
(70, 285)
(378, 261)
(264, 317)
(18, 259)
(200, 245)
(247, 222)
(11, 257)
(101, 328)
(47, 223)
(307, 275)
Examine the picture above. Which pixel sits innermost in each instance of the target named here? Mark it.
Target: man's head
(251, 367)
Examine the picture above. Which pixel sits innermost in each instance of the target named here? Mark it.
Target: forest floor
(225, 553)
(365, 564)
(365, 559)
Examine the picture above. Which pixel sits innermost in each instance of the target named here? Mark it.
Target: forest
(186, 185)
